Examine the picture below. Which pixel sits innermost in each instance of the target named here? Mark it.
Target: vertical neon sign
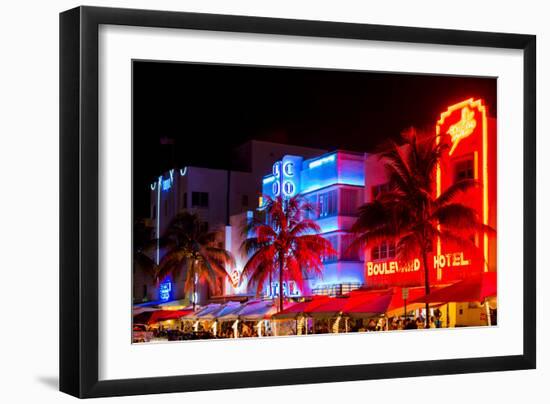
(457, 132)
(284, 178)
(276, 187)
(289, 175)
(158, 219)
(165, 290)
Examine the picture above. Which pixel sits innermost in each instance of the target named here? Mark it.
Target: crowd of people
(411, 323)
(319, 326)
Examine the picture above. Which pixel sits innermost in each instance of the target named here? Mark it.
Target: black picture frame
(79, 181)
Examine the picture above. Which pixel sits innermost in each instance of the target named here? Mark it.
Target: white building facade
(215, 195)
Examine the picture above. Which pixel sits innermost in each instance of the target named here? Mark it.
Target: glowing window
(328, 204)
(331, 257)
(464, 169)
(347, 253)
(385, 250)
(349, 201)
(375, 253)
(314, 212)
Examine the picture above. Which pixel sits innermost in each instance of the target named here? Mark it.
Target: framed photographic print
(252, 201)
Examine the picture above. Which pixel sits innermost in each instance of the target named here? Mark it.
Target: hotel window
(464, 169)
(328, 204)
(312, 201)
(383, 251)
(375, 253)
(347, 253)
(333, 240)
(391, 250)
(199, 199)
(349, 202)
(380, 189)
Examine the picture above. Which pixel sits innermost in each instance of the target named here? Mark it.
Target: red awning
(300, 308)
(331, 307)
(398, 302)
(357, 303)
(474, 289)
(389, 301)
(152, 317)
(368, 304)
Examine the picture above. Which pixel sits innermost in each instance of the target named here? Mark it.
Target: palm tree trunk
(194, 293)
(194, 285)
(426, 284)
(271, 293)
(281, 291)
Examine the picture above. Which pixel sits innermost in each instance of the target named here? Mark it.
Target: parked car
(140, 333)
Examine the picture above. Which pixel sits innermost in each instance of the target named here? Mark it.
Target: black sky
(208, 109)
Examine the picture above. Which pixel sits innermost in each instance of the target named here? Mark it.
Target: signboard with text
(443, 268)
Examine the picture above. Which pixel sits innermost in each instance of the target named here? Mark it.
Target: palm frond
(454, 190)
(458, 217)
(304, 227)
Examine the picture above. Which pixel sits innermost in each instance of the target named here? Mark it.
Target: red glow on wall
(471, 136)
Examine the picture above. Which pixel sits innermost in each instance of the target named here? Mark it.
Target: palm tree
(410, 214)
(144, 262)
(143, 251)
(289, 245)
(189, 245)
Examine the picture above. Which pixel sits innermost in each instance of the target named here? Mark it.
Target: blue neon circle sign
(288, 169)
(288, 188)
(277, 169)
(276, 188)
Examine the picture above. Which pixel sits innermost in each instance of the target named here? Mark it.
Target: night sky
(202, 111)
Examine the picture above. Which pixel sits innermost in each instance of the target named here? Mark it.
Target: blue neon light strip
(328, 183)
(322, 160)
(158, 221)
(268, 180)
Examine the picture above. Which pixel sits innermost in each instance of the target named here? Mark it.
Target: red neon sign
(459, 128)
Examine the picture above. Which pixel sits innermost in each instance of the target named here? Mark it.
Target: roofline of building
(279, 143)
